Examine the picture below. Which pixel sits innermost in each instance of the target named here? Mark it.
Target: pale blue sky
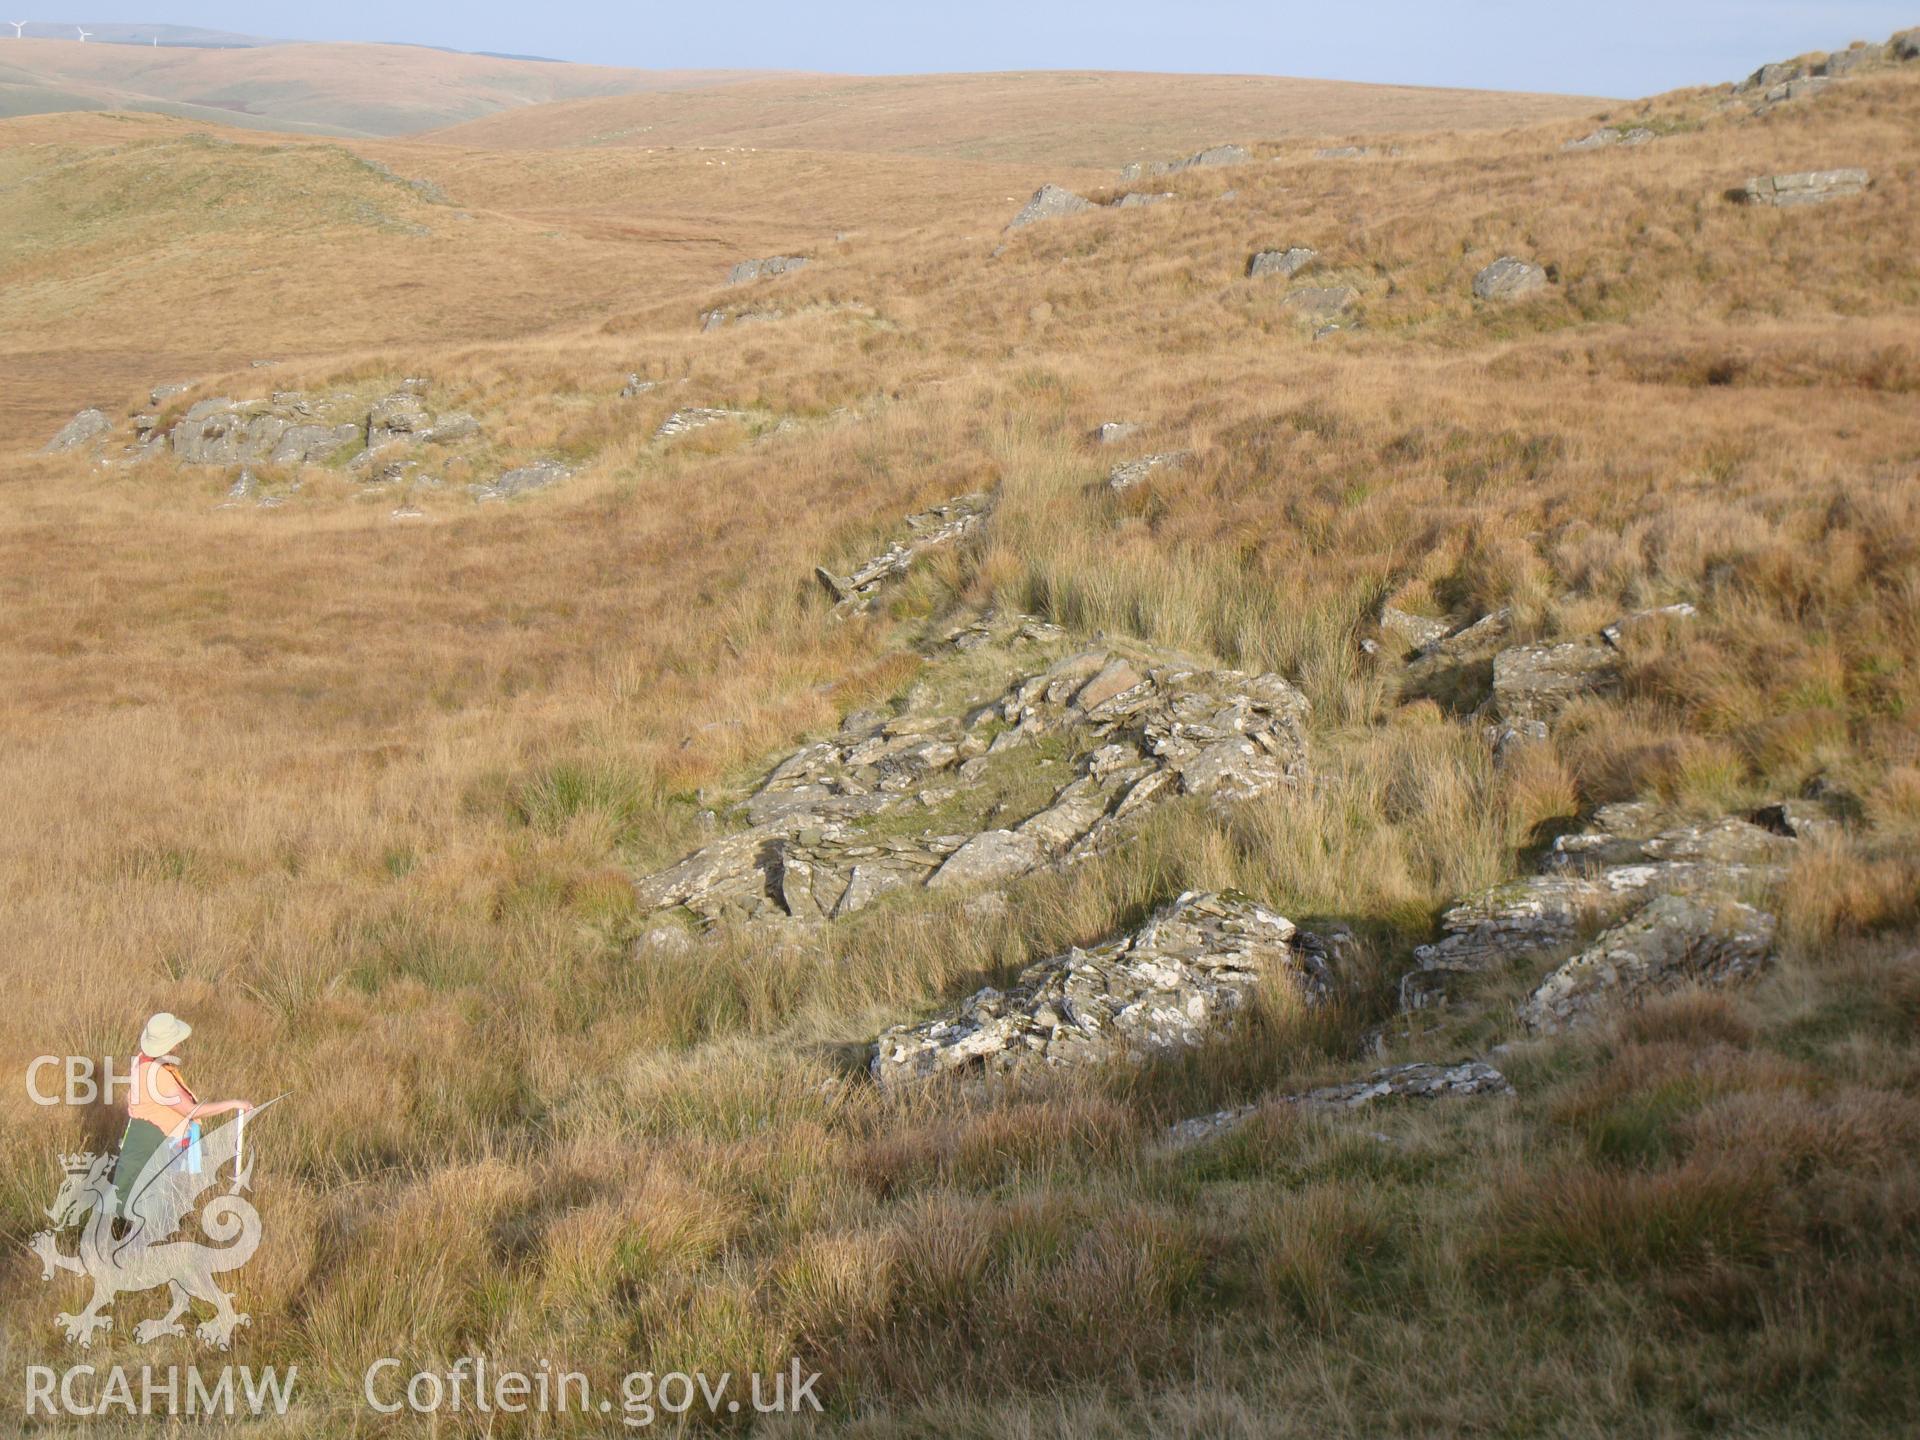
(1619, 47)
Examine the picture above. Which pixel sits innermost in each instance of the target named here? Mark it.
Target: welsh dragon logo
(147, 1251)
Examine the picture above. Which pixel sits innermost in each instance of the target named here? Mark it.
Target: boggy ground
(367, 800)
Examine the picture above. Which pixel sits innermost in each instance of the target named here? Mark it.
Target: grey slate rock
(1509, 279)
(87, 425)
(1806, 187)
(748, 271)
(1050, 202)
(1286, 263)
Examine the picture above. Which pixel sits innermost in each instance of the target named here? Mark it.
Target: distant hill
(352, 90)
(114, 32)
(1059, 117)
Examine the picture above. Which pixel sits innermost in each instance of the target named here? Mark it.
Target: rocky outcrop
(1420, 1080)
(1285, 263)
(87, 425)
(1175, 983)
(694, 417)
(1114, 431)
(1130, 473)
(1509, 279)
(1628, 855)
(1213, 156)
(1675, 939)
(928, 530)
(1608, 136)
(1807, 187)
(1137, 199)
(287, 430)
(1536, 682)
(1423, 1080)
(1416, 632)
(522, 481)
(1905, 45)
(1342, 152)
(832, 827)
(1050, 202)
(747, 271)
(1321, 302)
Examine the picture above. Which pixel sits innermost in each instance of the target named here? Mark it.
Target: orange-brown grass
(364, 799)
(339, 89)
(1083, 118)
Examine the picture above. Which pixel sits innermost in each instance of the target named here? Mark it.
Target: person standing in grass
(161, 1109)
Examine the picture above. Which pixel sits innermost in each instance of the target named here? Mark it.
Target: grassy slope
(1060, 117)
(346, 89)
(374, 792)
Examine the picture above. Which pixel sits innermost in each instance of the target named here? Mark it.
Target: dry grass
(364, 800)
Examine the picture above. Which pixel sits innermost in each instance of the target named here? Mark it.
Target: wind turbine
(83, 34)
(19, 28)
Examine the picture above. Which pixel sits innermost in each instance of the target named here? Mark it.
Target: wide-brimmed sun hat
(163, 1032)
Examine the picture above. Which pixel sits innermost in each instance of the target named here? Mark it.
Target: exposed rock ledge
(1172, 984)
(1136, 729)
(1663, 897)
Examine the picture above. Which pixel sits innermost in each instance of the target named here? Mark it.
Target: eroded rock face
(1173, 984)
(928, 530)
(748, 271)
(87, 425)
(1050, 202)
(1286, 263)
(1807, 187)
(1509, 279)
(1675, 939)
(1129, 731)
(1628, 855)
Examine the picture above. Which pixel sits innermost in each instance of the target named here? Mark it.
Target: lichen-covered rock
(1905, 45)
(1050, 202)
(1139, 199)
(1137, 730)
(928, 530)
(1806, 187)
(397, 417)
(1536, 682)
(1675, 939)
(1129, 474)
(748, 271)
(1171, 985)
(1422, 1080)
(1342, 152)
(1416, 631)
(1286, 263)
(1626, 856)
(1509, 279)
(1770, 75)
(1114, 431)
(87, 425)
